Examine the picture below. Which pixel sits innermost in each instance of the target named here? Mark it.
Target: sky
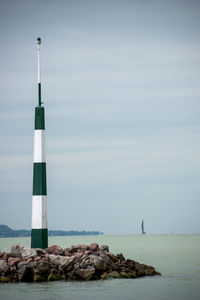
(121, 91)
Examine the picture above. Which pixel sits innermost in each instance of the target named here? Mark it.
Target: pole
(39, 73)
(39, 232)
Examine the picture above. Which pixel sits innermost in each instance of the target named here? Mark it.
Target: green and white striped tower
(39, 233)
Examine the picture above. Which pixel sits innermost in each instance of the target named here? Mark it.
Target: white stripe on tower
(39, 146)
(39, 212)
(39, 233)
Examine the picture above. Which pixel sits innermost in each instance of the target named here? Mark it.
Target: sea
(177, 257)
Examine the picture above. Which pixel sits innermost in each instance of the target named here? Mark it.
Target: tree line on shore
(6, 231)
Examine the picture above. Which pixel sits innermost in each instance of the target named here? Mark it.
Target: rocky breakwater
(80, 262)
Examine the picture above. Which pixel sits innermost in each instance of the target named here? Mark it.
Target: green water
(177, 257)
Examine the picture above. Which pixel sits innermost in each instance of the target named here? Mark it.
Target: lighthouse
(39, 232)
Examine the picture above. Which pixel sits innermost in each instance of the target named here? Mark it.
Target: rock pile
(80, 262)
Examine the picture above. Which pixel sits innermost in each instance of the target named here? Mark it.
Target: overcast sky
(121, 90)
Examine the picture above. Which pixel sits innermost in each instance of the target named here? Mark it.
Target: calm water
(177, 257)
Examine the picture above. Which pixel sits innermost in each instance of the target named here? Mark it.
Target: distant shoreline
(7, 232)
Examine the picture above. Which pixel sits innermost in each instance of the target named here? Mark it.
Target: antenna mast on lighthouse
(39, 73)
(39, 232)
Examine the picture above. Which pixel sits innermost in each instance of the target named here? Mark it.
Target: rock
(14, 254)
(36, 258)
(66, 253)
(28, 252)
(82, 262)
(100, 263)
(56, 250)
(93, 247)
(130, 263)
(40, 252)
(132, 274)
(103, 276)
(63, 261)
(104, 248)
(113, 274)
(67, 250)
(85, 274)
(32, 264)
(55, 277)
(41, 271)
(12, 261)
(17, 249)
(88, 252)
(149, 271)
(45, 258)
(140, 269)
(25, 272)
(3, 266)
(75, 248)
(125, 275)
(4, 279)
(112, 257)
(56, 274)
(5, 256)
(38, 278)
(120, 257)
(157, 273)
(84, 247)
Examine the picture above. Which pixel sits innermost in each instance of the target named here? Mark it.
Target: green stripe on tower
(39, 118)
(39, 179)
(39, 238)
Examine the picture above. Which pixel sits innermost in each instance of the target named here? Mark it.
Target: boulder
(56, 274)
(140, 269)
(120, 257)
(36, 258)
(75, 248)
(63, 261)
(85, 274)
(100, 263)
(14, 254)
(84, 247)
(28, 252)
(104, 248)
(56, 250)
(25, 272)
(125, 275)
(149, 271)
(93, 247)
(45, 258)
(112, 257)
(12, 261)
(41, 271)
(4, 279)
(17, 249)
(40, 252)
(3, 266)
(113, 274)
(131, 263)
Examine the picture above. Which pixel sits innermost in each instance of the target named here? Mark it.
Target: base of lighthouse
(39, 238)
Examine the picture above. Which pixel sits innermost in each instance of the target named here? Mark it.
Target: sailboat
(142, 226)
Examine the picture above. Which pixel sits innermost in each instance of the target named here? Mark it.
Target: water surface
(177, 257)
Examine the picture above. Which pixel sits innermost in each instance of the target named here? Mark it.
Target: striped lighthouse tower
(39, 232)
